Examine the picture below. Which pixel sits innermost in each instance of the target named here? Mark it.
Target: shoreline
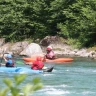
(25, 48)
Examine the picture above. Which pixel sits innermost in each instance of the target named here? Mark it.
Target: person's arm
(44, 58)
(5, 59)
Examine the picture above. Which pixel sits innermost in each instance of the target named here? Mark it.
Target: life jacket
(50, 55)
(37, 65)
(10, 63)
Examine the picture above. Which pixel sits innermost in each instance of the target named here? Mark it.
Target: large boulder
(13, 48)
(5, 49)
(32, 50)
(58, 44)
(50, 40)
(18, 47)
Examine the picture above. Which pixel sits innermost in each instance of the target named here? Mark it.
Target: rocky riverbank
(30, 49)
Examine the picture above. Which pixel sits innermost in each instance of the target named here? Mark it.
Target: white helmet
(49, 48)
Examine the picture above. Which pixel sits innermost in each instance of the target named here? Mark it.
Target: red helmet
(49, 48)
(39, 58)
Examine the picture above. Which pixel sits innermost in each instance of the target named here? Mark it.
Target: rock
(5, 48)
(81, 52)
(50, 40)
(2, 41)
(92, 54)
(31, 50)
(18, 47)
(58, 44)
(24, 44)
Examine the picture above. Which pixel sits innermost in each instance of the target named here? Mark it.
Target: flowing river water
(77, 78)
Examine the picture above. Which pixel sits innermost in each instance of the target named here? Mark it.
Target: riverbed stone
(31, 50)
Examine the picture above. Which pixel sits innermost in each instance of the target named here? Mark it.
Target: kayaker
(50, 53)
(38, 64)
(9, 60)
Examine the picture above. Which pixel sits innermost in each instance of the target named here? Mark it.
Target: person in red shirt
(38, 64)
(50, 54)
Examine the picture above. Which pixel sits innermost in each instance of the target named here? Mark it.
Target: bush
(74, 43)
(14, 89)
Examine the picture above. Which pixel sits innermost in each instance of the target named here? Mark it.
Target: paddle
(19, 62)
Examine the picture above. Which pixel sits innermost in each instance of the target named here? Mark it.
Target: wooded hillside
(74, 20)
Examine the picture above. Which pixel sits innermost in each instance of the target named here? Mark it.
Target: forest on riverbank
(74, 20)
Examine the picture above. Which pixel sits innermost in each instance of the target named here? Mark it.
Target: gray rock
(51, 40)
(18, 47)
(32, 49)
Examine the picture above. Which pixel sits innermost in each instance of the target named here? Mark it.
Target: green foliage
(80, 21)
(14, 89)
(74, 43)
(92, 49)
(35, 19)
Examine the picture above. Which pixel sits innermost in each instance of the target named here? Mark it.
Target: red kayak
(57, 60)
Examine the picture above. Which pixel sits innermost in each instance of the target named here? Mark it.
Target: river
(69, 79)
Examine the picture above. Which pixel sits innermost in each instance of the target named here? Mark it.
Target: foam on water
(88, 92)
(57, 92)
(55, 86)
(47, 74)
(75, 79)
(54, 90)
